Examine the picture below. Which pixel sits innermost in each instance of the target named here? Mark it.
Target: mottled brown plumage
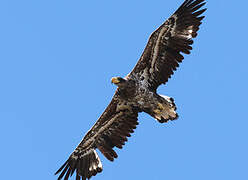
(137, 92)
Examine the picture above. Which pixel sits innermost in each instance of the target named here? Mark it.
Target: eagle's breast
(136, 93)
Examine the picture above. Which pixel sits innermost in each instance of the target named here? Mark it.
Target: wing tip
(62, 167)
(191, 5)
(86, 164)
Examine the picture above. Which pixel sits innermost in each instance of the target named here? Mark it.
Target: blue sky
(56, 61)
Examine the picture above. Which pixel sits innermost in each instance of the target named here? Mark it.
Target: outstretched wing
(162, 54)
(111, 130)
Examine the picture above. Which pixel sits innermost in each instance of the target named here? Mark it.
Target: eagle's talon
(162, 120)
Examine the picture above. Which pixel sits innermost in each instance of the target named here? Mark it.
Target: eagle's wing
(162, 54)
(111, 130)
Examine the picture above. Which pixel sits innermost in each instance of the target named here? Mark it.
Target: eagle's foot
(166, 110)
(162, 120)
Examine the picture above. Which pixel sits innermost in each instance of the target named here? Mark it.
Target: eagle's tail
(86, 163)
(166, 110)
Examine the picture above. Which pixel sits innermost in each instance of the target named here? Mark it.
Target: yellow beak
(114, 80)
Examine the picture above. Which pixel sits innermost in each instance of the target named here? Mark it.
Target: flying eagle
(137, 92)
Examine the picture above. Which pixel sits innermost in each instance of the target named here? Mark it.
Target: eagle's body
(137, 92)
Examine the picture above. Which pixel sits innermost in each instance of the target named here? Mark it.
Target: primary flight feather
(137, 92)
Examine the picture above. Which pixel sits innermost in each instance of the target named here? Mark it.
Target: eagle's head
(118, 81)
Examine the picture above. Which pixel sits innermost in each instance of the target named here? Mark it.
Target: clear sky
(56, 61)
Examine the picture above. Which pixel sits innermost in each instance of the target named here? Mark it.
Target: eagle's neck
(127, 89)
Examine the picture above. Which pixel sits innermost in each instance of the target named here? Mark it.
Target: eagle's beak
(115, 80)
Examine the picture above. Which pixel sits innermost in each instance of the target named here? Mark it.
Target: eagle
(137, 92)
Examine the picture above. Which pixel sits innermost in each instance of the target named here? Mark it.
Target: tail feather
(86, 163)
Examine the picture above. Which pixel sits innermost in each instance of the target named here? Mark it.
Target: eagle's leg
(164, 109)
